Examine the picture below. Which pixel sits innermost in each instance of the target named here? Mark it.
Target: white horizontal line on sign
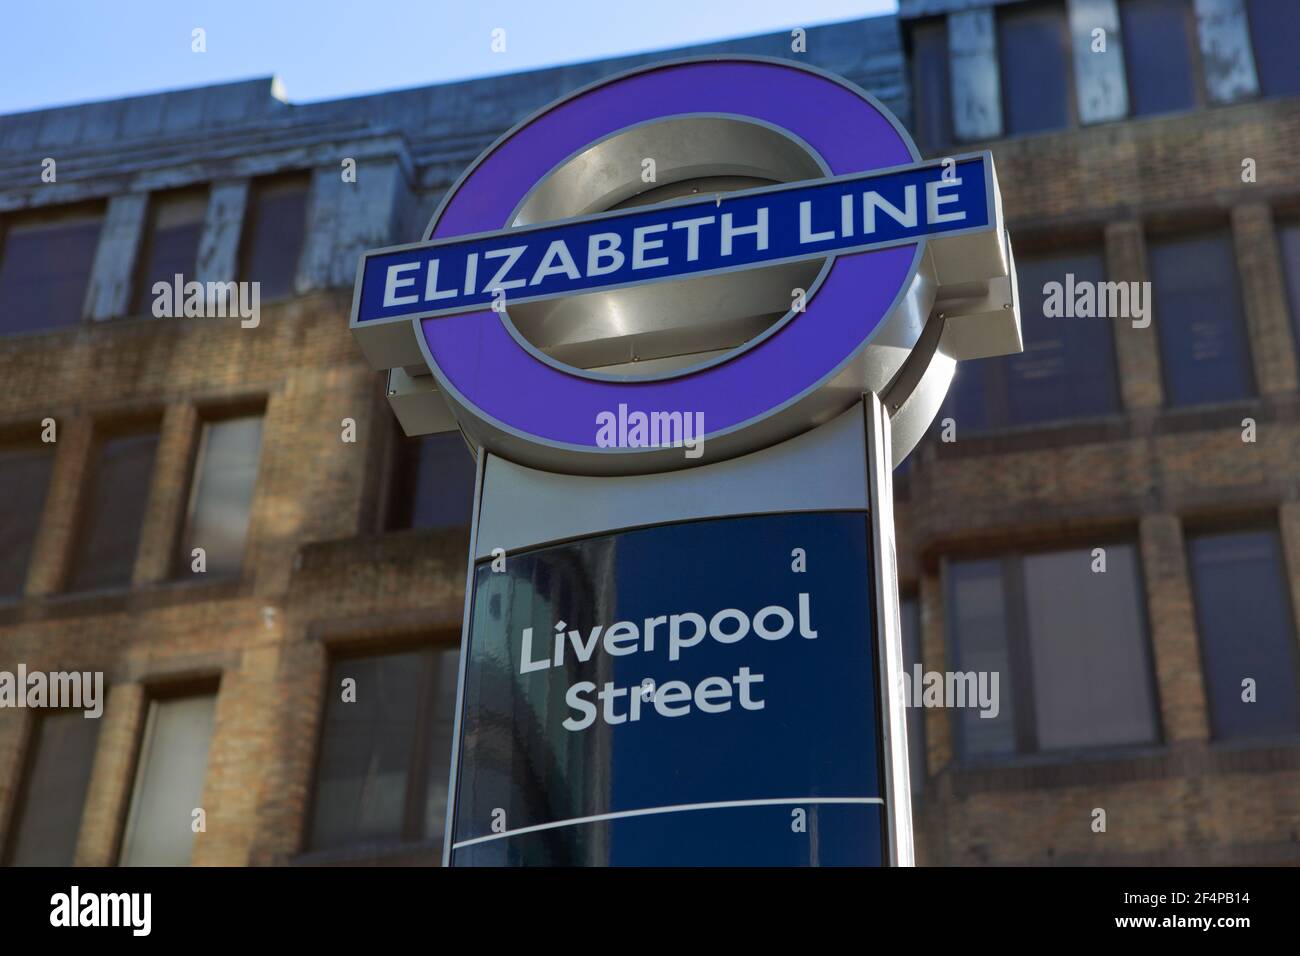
(679, 808)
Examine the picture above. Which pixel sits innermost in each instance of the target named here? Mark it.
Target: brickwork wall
(258, 639)
(1143, 476)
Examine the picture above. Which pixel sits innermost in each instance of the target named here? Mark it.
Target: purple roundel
(478, 359)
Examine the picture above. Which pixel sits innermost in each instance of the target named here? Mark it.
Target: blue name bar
(680, 239)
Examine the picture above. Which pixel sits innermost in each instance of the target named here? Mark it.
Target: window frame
(1019, 662)
(392, 483)
(26, 439)
(148, 234)
(411, 838)
(251, 218)
(1201, 230)
(103, 432)
(1225, 525)
(1006, 11)
(181, 559)
(1251, 33)
(27, 766)
(1195, 63)
(920, 119)
(995, 372)
(1287, 221)
(89, 209)
(195, 685)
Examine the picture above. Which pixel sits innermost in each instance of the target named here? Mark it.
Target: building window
(1289, 244)
(1275, 36)
(45, 262)
(24, 480)
(53, 795)
(275, 225)
(433, 483)
(169, 781)
(1247, 632)
(385, 756)
(1199, 316)
(911, 626)
(931, 85)
(112, 513)
(1067, 368)
(1158, 36)
(1034, 58)
(1068, 643)
(221, 495)
(170, 246)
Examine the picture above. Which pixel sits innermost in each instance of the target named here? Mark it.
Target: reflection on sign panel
(678, 695)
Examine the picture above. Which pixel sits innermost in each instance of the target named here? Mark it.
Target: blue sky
(72, 51)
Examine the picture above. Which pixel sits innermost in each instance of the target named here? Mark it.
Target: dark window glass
(275, 224)
(1275, 35)
(24, 480)
(433, 484)
(171, 243)
(1034, 57)
(113, 512)
(1068, 643)
(1199, 317)
(911, 627)
(169, 782)
(1247, 631)
(932, 104)
(1289, 243)
(1157, 38)
(385, 757)
(977, 612)
(221, 494)
(54, 790)
(1067, 368)
(45, 263)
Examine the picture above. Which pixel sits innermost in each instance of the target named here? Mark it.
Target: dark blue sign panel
(693, 694)
(679, 239)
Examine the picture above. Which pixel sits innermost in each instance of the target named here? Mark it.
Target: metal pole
(889, 644)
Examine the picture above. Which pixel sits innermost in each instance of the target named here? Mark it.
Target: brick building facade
(334, 548)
